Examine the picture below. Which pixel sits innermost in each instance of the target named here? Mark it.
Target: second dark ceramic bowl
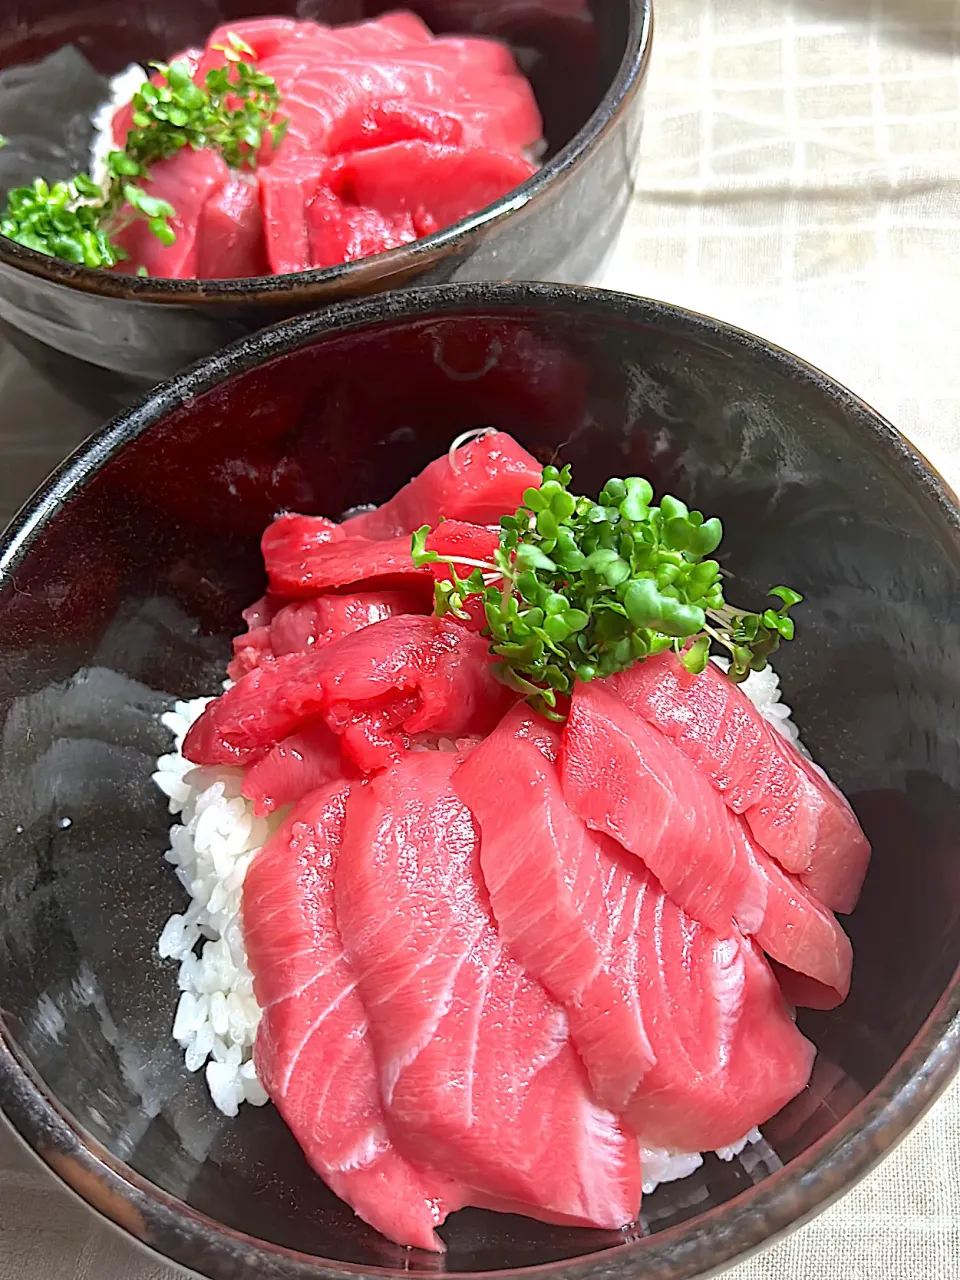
(122, 581)
(585, 58)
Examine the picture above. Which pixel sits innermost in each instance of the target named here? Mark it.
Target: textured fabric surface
(801, 178)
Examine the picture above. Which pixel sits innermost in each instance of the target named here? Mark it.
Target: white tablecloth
(801, 178)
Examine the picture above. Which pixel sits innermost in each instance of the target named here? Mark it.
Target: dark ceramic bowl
(585, 58)
(122, 581)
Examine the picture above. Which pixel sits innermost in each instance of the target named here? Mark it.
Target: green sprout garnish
(579, 590)
(232, 114)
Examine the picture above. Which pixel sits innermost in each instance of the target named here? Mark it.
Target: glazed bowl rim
(709, 1241)
(378, 270)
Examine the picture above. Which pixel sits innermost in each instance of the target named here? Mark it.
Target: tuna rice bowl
(278, 146)
(506, 866)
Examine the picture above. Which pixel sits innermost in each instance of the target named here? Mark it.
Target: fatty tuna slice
(813, 954)
(312, 1052)
(547, 875)
(793, 810)
(478, 483)
(624, 778)
(442, 667)
(727, 1053)
(476, 1067)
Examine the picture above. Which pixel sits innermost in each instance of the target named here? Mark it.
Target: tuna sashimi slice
(293, 535)
(476, 1067)
(187, 181)
(657, 804)
(478, 483)
(297, 765)
(284, 194)
(299, 626)
(814, 955)
(624, 778)
(447, 183)
(345, 233)
(302, 569)
(439, 664)
(728, 1054)
(380, 123)
(312, 1052)
(230, 235)
(308, 624)
(793, 810)
(301, 564)
(546, 873)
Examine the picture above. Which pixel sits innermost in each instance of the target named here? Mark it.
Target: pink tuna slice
(546, 873)
(794, 928)
(447, 183)
(380, 123)
(308, 624)
(299, 564)
(728, 1054)
(793, 810)
(187, 181)
(230, 235)
(303, 624)
(624, 778)
(483, 480)
(293, 768)
(297, 568)
(312, 1052)
(339, 232)
(284, 195)
(440, 666)
(476, 1068)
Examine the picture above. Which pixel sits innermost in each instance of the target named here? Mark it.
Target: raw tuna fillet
(547, 874)
(476, 1068)
(624, 778)
(793, 810)
(814, 955)
(412, 676)
(312, 1053)
(230, 233)
(438, 181)
(339, 232)
(298, 565)
(187, 181)
(307, 624)
(482, 481)
(728, 1055)
(297, 765)
(303, 570)
(439, 666)
(300, 626)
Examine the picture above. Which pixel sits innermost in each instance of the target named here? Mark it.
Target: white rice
(212, 844)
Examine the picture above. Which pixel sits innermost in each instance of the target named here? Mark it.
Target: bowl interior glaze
(123, 583)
